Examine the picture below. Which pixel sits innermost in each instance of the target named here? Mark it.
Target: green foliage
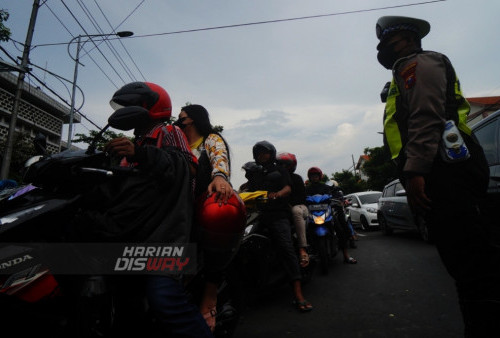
(4, 31)
(218, 129)
(23, 149)
(348, 182)
(106, 137)
(379, 169)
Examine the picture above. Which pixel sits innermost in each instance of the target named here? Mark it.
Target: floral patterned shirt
(217, 153)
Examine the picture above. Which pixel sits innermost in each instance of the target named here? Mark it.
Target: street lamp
(76, 59)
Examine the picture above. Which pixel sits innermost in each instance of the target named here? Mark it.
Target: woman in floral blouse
(212, 176)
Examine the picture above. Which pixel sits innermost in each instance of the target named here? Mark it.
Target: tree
(4, 31)
(348, 182)
(106, 137)
(23, 149)
(379, 168)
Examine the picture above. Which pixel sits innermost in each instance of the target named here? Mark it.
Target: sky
(302, 75)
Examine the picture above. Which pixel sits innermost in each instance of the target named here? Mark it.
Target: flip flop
(210, 318)
(303, 306)
(304, 260)
(350, 260)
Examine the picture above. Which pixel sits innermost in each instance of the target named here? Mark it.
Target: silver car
(395, 213)
(362, 208)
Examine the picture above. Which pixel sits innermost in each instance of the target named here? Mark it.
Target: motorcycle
(60, 304)
(320, 230)
(258, 267)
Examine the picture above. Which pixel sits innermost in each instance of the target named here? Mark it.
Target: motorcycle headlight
(319, 219)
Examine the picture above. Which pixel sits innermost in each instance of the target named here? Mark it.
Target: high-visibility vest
(456, 104)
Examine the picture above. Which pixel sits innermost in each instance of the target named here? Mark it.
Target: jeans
(176, 315)
(280, 232)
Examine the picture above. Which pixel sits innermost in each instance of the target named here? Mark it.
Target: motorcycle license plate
(315, 207)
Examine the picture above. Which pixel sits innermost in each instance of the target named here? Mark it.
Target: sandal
(350, 260)
(303, 306)
(210, 318)
(304, 260)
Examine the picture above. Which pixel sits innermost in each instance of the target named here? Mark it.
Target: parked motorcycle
(320, 230)
(258, 267)
(57, 304)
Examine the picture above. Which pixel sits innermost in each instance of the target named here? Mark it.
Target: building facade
(37, 113)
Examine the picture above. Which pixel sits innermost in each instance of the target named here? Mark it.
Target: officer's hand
(120, 147)
(415, 191)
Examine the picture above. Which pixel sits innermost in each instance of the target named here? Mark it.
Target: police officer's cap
(391, 24)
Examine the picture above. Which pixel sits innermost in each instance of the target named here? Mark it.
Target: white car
(362, 208)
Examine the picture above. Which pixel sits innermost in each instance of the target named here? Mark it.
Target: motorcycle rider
(155, 206)
(276, 213)
(315, 186)
(297, 202)
(338, 194)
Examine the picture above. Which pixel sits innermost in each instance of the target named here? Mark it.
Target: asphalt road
(399, 288)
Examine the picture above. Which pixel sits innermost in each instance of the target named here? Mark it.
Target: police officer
(423, 94)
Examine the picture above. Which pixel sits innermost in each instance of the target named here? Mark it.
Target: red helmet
(314, 170)
(222, 228)
(287, 160)
(146, 95)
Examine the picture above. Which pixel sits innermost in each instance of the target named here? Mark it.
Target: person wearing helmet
(251, 169)
(164, 194)
(276, 213)
(315, 186)
(298, 203)
(212, 177)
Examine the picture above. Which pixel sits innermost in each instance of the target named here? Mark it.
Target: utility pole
(353, 165)
(17, 99)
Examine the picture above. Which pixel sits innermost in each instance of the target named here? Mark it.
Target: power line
(81, 26)
(93, 60)
(119, 40)
(111, 47)
(288, 19)
(260, 22)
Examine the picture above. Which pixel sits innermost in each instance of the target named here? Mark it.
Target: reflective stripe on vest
(391, 128)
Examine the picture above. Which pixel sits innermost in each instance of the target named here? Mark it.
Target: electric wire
(90, 56)
(119, 40)
(111, 47)
(102, 54)
(284, 20)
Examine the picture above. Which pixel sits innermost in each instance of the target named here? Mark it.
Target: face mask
(179, 123)
(386, 56)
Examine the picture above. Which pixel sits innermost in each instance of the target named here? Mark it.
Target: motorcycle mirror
(128, 118)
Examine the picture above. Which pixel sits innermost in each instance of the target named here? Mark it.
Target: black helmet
(251, 166)
(146, 95)
(266, 146)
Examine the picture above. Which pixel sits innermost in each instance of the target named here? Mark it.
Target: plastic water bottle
(454, 146)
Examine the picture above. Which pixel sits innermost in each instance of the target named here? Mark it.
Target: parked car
(395, 213)
(362, 208)
(487, 132)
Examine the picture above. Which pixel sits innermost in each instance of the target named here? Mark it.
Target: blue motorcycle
(320, 230)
